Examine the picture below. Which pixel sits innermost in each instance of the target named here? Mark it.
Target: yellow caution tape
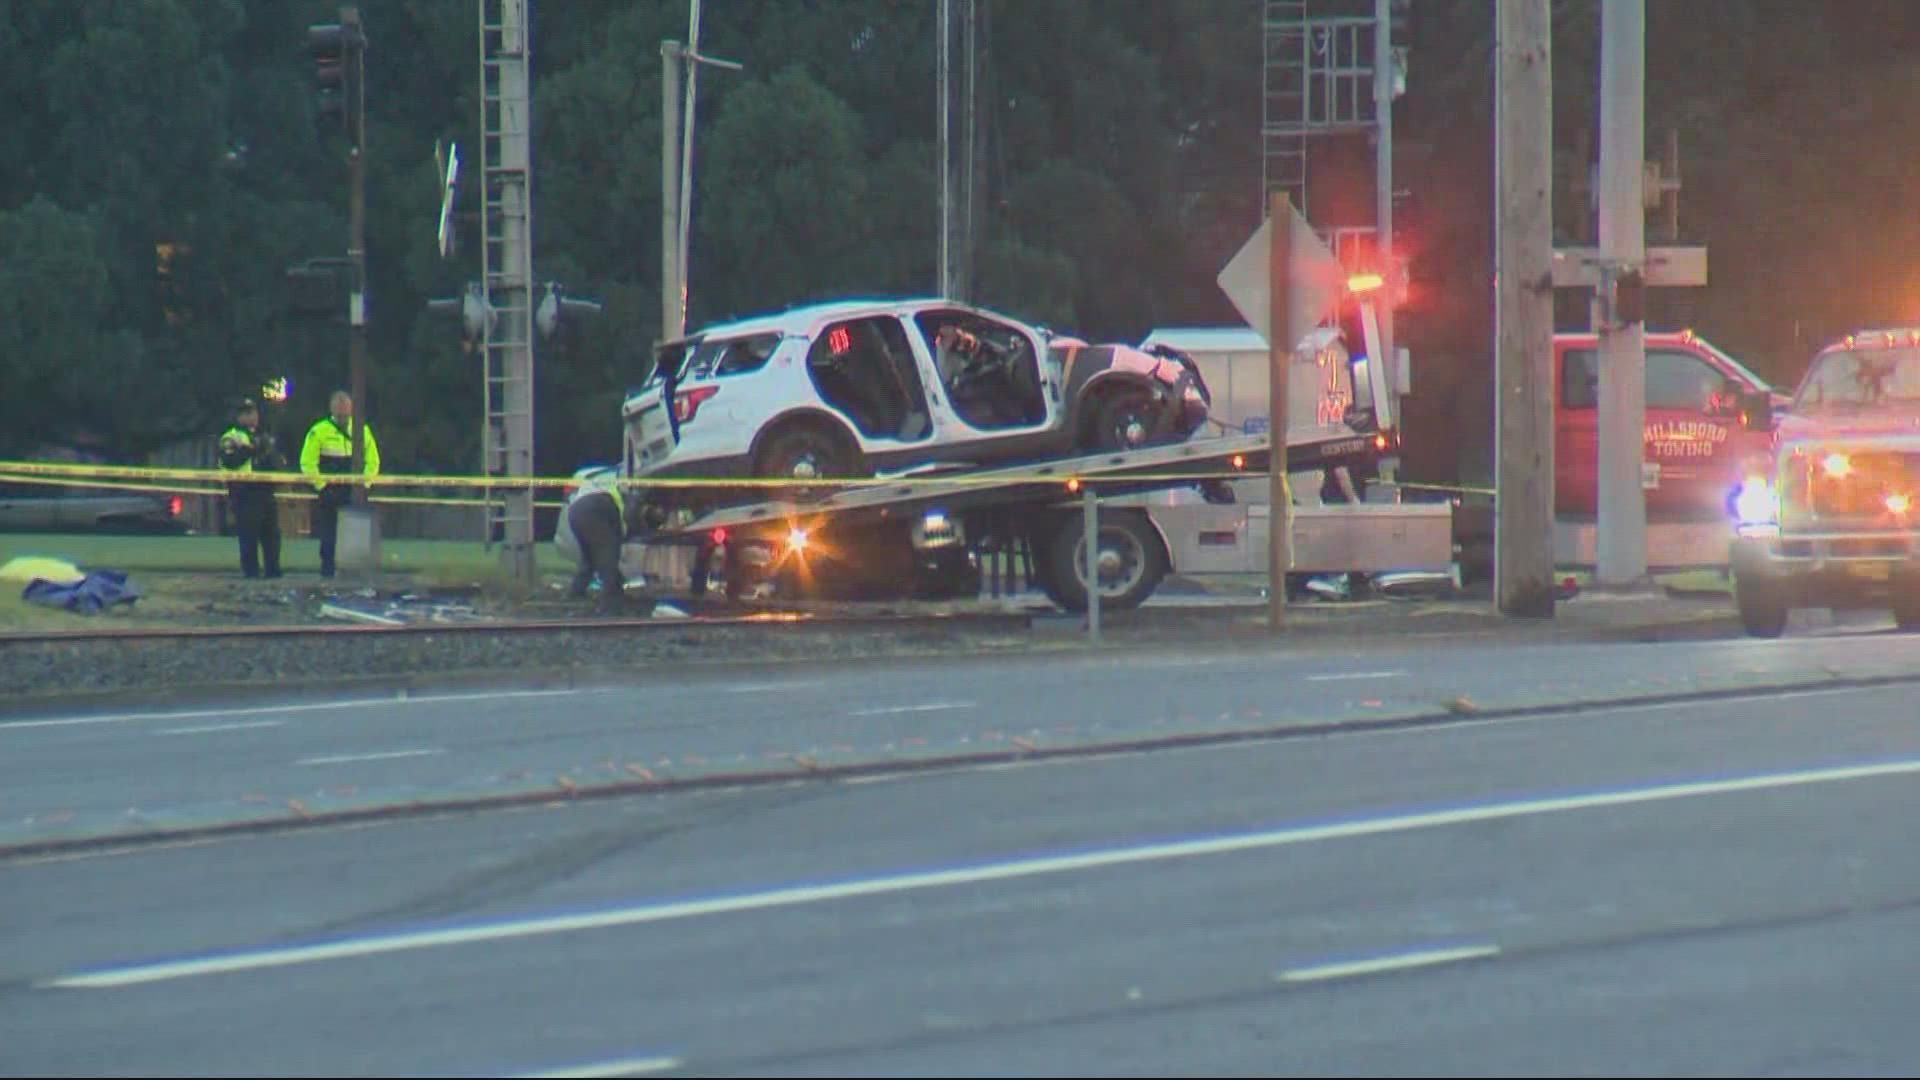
(294, 496)
(150, 478)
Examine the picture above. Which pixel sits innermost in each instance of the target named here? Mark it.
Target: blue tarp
(99, 589)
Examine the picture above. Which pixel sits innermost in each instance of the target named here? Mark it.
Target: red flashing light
(687, 403)
(176, 506)
(718, 536)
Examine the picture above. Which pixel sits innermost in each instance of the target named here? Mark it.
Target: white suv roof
(803, 318)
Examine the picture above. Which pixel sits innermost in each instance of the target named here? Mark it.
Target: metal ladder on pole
(1283, 109)
(506, 263)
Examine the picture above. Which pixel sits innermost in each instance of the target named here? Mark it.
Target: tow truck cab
(1695, 442)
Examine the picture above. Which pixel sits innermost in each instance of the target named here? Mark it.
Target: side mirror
(1756, 410)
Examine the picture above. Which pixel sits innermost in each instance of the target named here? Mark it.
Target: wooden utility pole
(1280, 342)
(1523, 303)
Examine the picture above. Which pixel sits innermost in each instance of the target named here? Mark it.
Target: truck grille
(1811, 493)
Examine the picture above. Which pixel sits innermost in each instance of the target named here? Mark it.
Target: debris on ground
(401, 608)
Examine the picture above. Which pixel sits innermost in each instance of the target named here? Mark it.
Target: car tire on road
(1129, 547)
(1762, 604)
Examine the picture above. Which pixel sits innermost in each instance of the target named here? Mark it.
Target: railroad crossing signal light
(558, 311)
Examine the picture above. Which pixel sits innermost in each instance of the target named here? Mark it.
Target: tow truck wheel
(1131, 562)
(1762, 604)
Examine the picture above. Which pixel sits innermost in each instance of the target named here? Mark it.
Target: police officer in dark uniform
(256, 513)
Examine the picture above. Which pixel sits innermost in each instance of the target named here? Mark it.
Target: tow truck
(921, 532)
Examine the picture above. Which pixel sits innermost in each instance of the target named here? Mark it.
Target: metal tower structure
(506, 277)
(1318, 80)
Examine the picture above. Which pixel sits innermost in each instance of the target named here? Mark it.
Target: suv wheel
(1126, 420)
(805, 452)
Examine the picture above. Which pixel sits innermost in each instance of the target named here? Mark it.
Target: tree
(67, 377)
(783, 211)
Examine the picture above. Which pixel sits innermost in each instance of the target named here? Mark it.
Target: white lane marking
(931, 706)
(793, 896)
(387, 755)
(1377, 965)
(623, 1067)
(1346, 675)
(770, 687)
(202, 729)
(269, 710)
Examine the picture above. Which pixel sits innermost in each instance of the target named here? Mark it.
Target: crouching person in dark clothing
(600, 516)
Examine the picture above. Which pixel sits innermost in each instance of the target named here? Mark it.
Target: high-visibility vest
(328, 451)
(608, 484)
(236, 440)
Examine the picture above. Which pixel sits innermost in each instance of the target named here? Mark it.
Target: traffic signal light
(338, 66)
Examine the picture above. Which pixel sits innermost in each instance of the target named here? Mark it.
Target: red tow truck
(1695, 442)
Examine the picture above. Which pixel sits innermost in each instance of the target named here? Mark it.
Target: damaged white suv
(876, 387)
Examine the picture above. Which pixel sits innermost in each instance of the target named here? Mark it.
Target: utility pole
(943, 91)
(672, 296)
(1388, 362)
(1621, 533)
(1282, 335)
(357, 238)
(1523, 276)
(689, 61)
(959, 157)
(969, 138)
(340, 68)
(684, 191)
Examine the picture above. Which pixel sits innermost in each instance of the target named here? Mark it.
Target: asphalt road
(1728, 889)
(89, 773)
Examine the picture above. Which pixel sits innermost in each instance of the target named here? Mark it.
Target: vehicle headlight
(1754, 502)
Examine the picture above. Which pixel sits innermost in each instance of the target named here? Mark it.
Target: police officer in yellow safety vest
(600, 516)
(256, 518)
(328, 451)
